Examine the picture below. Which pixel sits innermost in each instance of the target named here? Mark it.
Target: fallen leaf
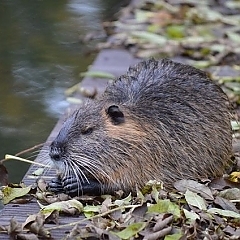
(124, 201)
(38, 172)
(162, 222)
(158, 235)
(161, 18)
(131, 230)
(14, 227)
(234, 177)
(232, 231)
(225, 204)
(233, 36)
(106, 204)
(175, 31)
(90, 211)
(142, 15)
(37, 226)
(194, 186)
(191, 216)
(11, 193)
(150, 37)
(175, 236)
(165, 206)
(235, 126)
(27, 236)
(71, 207)
(195, 200)
(97, 74)
(73, 100)
(225, 213)
(221, 183)
(230, 194)
(3, 175)
(139, 212)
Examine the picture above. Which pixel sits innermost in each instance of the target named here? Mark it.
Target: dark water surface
(40, 56)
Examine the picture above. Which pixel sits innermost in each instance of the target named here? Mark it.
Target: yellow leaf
(234, 177)
(10, 193)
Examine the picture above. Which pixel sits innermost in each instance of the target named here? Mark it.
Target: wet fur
(176, 125)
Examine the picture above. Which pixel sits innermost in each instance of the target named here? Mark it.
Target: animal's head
(95, 140)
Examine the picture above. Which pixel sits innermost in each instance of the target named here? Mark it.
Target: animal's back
(185, 115)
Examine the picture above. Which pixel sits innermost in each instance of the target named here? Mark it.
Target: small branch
(95, 216)
(24, 151)
(7, 156)
(29, 149)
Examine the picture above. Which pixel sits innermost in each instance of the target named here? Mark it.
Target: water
(40, 56)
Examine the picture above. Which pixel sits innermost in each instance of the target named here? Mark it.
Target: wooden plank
(109, 60)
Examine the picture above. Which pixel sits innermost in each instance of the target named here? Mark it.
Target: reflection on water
(40, 56)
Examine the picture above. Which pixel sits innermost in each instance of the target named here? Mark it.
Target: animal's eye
(87, 131)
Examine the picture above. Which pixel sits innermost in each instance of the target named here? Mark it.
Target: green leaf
(131, 230)
(175, 236)
(234, 86)
(10, 193)
(235, 125)
(70, 206)
(230, 194)
(201, 63)
(90, 211)
(146, 53)
(191, 216)
(165, 206)
(150, 37)
(142, 15)
(175, 31)
(195, 200)
(38, 172)
(194, 186)
(218, 48)
(74, 100)
(125, 201)
(97, 74)
(232, 4)
(225, 213)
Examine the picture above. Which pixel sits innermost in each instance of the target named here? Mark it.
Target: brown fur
(161, 121)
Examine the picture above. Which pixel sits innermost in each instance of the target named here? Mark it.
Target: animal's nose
(55, 152)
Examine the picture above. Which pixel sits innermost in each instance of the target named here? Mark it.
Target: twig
(95, 216)
(29, 149)
(7, 156)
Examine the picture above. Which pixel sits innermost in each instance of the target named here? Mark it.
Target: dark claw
(72, 187)
(55, 186)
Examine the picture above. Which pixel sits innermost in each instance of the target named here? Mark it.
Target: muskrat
(161, 121)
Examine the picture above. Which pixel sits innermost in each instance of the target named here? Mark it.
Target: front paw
(55, 186)
(73, 187)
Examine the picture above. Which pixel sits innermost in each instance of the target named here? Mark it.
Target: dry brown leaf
(194, 186)
(106, 204)
(3, 175)
(139, 212)
(35, 224)
(161, 18)
(14, 227)
(230, 194)
(225, 204)
(162, 222)
(27, 236)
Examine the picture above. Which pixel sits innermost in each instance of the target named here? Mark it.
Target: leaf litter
(205, 34)
(156, 214)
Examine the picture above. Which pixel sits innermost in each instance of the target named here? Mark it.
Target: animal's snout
(56, 152)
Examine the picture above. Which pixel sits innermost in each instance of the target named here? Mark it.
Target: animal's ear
(115, 114)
